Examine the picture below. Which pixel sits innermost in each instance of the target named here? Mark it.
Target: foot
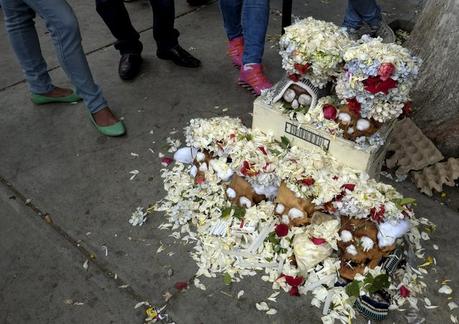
(252, 78)
(384, 31)
(197, 2)
(105, 117)
(235, 51)
(353, 33)
(129, 66)
(58, 92)
(179, 56)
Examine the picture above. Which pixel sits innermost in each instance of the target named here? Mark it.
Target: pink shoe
(252, 78)
(235, 50)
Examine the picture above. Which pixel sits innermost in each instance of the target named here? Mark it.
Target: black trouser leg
(116, 17)
(164, 33)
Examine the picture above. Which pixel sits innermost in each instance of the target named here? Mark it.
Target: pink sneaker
(235, 50)
(252, 78)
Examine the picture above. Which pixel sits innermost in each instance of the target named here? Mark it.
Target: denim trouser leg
(360, 11)
(63, 27)
(255, 17)
(24, 40)
(232, 15)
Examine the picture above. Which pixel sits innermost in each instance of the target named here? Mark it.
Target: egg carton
(412, 149)
(437, 175)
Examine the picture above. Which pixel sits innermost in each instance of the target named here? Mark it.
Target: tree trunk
(435, 39)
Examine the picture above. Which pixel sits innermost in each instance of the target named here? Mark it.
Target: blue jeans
(362, 11)
(247, 18)
(65, 33)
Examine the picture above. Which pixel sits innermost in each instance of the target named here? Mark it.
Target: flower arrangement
(313, 49)
(377, 78)
(237, 236)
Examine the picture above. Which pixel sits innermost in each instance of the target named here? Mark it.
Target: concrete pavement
(54, 157)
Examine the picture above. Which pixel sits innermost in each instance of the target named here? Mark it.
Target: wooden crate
(269, 118)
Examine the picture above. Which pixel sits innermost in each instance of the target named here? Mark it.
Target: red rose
(375, 85)
(281, 230)
(166, 160)
(354, 106)
(307, 181)
(294, 77)
(329, 112)
(378, 215)
(301, 68)
(386, 70)
(200, 179)
(348, 186)
(404, 292)
(318, 241)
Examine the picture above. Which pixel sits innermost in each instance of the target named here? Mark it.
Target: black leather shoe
(129, 66)
(179, 56)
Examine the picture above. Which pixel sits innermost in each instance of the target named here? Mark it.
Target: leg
(63, 27)
(24, 40)
(116, 17)
(352, 18)
(232, 15)
(368, 10)
(164, 33)
(255, 17)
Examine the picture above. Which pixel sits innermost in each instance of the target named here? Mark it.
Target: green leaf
(404, 201)
(239, 212)
(353, 289)
(368, 281)
(227, 279)
(275, 152)
(285, 142)
(226, 212)
(380, 282)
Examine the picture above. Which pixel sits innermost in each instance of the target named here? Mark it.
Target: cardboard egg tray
(437, 175)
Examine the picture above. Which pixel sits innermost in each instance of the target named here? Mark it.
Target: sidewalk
(54, 157)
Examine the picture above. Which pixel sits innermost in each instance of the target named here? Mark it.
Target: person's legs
(164, 33)
(368, 11)
(166, 36)
(255, 17)
(116, 17)
(24, 40)
(63, 27)
(232, 15)
(352, 19)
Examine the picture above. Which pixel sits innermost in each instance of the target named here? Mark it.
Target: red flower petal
(307, 181)
(378, 214)
(404, 292)
(294, 77)
(281, 230)
(294, 291)
(318, 241)
(408, 108)
(263, 150)
(167, 160)
(301, 68)
(354, 106)
(294, 281)
(180, 285)
(348, 186)
(248, 170)
(374, 85)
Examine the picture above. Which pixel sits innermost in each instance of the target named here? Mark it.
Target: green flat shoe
(117, 129)
(43, 100)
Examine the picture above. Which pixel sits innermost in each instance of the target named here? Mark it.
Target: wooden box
(269, 118)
